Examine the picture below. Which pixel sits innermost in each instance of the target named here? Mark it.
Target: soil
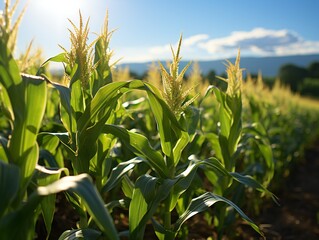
(297, 217)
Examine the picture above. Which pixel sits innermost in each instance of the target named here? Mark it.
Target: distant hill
(269, 66)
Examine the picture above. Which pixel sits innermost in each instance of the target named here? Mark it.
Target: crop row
(158, 156)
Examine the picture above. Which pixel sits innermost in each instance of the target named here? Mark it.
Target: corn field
(153, 152)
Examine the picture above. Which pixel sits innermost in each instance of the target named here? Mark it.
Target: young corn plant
(155, 195)
(225, 142)
(28, 188)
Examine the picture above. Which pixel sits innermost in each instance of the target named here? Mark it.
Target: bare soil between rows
(297, 217)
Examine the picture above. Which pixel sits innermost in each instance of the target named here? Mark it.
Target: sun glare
(60, 10)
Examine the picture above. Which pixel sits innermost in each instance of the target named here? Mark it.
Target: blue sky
(145, 29)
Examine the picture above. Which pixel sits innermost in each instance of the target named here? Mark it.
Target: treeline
(302, 80)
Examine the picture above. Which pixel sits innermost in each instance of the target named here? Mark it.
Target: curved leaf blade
(140, 146)
(9, 185)
(87, 233)
(203, 202)
(83, 186)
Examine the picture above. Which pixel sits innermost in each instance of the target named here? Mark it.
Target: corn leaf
(63, 138)
(161, 232)
(9, 185)
(67, 117)
(119, 171)
(214, 140)
(251, 182)
(103, 70)
(20, 224)
(263, 143)
(4, 150)
(140, 146)
(147, 195)
(5, 104)
(61, 57)
(23, 148)
(87, 233)
(77, 96)
(83, 186)
(127, 187)
(143, 191)
(173, 138)
(104, 101)
(183, 181)
(46, 176)
(9, 71)
(203, 202)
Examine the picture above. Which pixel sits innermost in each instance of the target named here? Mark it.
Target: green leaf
(225, 114)
(251, 182)
(4, 150)
(103, 70)
(183, 181)
(181, 143)
(48, 142)
(147, 195)
(77, 96)
(62, 57)
(173, 137)
(45, 177)
(23, 147)
(64, 139)
(161, 232)
(83, 186)
(9, 185)
(9, 71)
(67, 116)
(104, 102)
(140, 146)
(87, 234)
(203, 202)
(263, 143)
(5, 104)
(20, 223)
(119, 171)
(96, 114)
(217, 167)
(143, 191)
(127, 187)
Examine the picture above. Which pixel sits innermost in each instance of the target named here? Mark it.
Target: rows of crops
(159, 156)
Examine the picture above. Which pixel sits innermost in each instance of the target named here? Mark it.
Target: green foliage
(292, 75)
(160, 157)
(313, 70)
(309, 87)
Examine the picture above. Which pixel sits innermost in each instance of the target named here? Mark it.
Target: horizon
(145, 30)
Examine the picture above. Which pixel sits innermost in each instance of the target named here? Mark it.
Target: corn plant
(228, 142)
(126, 144)
(160, 191)
(27, 188)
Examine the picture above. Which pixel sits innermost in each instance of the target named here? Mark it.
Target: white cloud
(303, 47)
(193, 40)
(261, 42)
(187, 45)
(160, 50)
(257, 42)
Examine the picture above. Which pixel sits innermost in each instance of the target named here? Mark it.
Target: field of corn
(130, 157)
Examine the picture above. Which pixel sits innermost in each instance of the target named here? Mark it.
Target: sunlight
(60, 10)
